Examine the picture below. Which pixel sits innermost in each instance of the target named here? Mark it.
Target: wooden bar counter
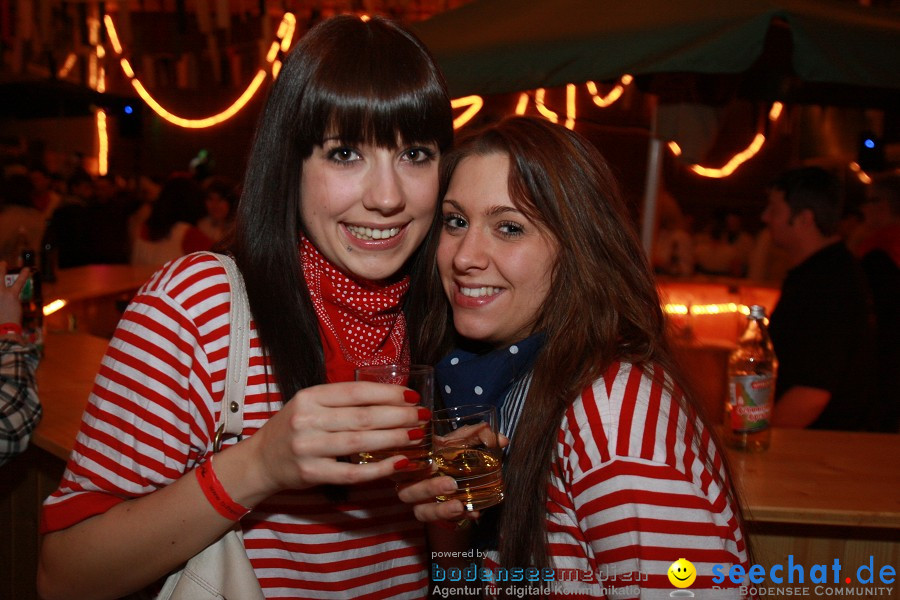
(806, 478)
(93, 296)
(818, 496)
(823, 478)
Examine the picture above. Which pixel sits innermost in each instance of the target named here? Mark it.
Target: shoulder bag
(222, 571)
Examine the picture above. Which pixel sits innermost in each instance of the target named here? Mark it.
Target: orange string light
(739, 158)
(542, 108)
(285, 34)
(67, 66)
(614, 94)
(103, 137)
(570, 106)
(226, 114)
(474, 104)
(860, 174)
(522, 104)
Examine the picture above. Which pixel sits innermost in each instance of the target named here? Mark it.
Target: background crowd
(726, 243)
(73, 218)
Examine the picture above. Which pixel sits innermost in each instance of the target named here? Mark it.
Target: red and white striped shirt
(151, 419)
(630, 493)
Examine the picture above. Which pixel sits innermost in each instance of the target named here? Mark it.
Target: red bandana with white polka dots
(360, 321)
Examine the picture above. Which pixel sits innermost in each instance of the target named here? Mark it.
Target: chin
(474, 333)
(375, 273)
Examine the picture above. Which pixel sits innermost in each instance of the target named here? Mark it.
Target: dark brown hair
(816, 190)
(602, 306)
(366, 81)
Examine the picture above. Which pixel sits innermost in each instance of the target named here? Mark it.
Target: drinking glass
(420, 379)
(465, 447)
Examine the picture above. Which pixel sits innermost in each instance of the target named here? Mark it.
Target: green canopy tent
(827, 47)
(498, 46)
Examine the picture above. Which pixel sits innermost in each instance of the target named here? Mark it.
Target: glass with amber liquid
(466, 447)
(420, 379)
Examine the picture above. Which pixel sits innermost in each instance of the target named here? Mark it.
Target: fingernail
(424, 414)
(415, 434)
(450, 485)
(401, 464)
(411, 396)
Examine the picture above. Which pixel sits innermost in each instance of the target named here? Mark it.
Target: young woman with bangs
(339, 193)
(543, 304)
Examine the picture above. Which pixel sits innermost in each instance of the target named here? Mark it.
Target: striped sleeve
(633, 490)
(150, 416)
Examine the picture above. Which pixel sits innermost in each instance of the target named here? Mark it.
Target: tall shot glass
(420, 379)
(465, 446)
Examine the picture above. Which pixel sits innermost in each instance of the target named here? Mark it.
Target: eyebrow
(493, 211)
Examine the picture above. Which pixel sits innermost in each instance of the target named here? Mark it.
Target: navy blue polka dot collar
(465, 377)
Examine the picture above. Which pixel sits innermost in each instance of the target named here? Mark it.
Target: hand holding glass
(420, 379)
(466, 448)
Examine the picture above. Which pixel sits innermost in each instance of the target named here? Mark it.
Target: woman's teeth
(368, 234)
(479, 292)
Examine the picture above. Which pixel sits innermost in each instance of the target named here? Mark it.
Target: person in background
(611, 470)
(879, 253)
(673, 251)
(80, 186)
(723, 247)
(21, 224)
(46, 199)
(821, 327)
(146, 194)
(767, 263)
(70, 223)
(171, 229)
(220, 200)
(105, 189)
(20, 407)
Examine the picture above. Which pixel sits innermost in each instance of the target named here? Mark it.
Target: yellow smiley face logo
(682, 573)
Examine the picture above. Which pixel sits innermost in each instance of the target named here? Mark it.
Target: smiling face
(495, 264)
(367, 208)
(682, 573)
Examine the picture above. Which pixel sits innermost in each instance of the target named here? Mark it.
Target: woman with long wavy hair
(543, 304)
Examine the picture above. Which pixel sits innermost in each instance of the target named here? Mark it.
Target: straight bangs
(381, 89)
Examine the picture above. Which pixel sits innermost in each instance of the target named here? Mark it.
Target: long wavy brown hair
(602, 307)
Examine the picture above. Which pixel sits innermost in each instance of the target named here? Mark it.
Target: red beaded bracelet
(216, 494)
(10, 328)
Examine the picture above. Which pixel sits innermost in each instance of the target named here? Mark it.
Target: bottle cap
(757, 311)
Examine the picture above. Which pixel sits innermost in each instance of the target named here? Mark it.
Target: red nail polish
(401, 464)
(411, 396)
(424, 414)
(415, 434)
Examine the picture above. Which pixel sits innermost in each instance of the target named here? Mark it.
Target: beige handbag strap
(222, 570)
(231, 417)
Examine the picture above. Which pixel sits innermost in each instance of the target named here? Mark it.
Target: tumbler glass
(465, 446)
(420, 379)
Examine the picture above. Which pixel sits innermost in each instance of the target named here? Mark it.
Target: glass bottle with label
(31, 297)
(752, 368)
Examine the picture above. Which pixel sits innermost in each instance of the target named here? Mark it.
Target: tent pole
(651, 181)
